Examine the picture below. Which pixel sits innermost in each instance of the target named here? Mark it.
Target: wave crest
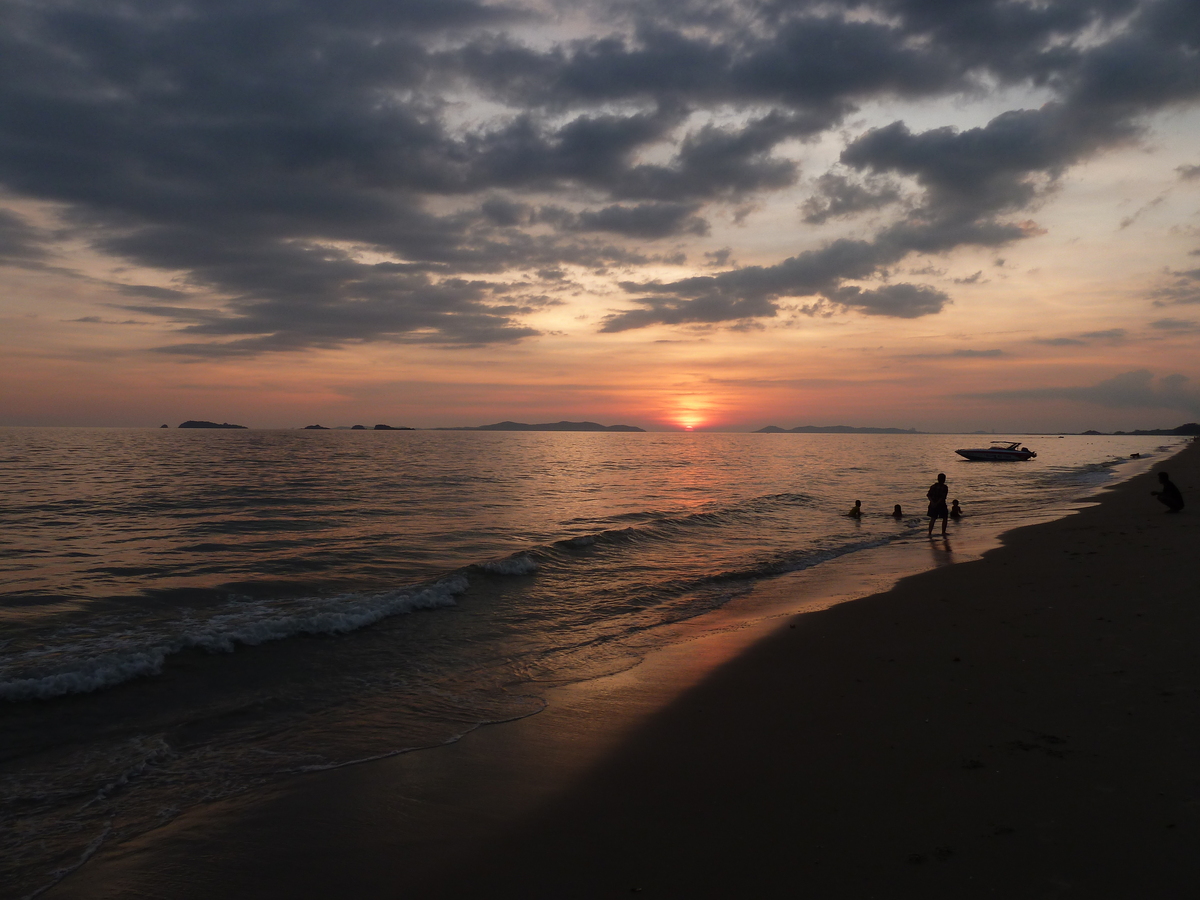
(105, 668)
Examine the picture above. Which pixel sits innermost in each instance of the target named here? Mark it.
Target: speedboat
(998, 452)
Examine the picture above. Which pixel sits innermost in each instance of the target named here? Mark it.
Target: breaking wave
(521, 564)
(118, 658)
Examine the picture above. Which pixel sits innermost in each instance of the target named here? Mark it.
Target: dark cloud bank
(254, 150)
(1130, 390)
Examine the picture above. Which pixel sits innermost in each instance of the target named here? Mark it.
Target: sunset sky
(947, 215)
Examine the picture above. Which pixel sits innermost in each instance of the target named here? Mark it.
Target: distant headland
(546, 426)
(358, 428)
(1189, 428)
(498, 426)
(834, 429)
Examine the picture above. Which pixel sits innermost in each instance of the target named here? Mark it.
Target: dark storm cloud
(959, 354)
(1061, 342)
(646, 220)
(901, 301)
(307, 164)
(973, 182)
(325, 298)
(754, 291)
(1184, 288)
(1138, 389)
(446, 313)
(972, 179)
(150, 291)
(815, 62)
(978, 354)
(1108, 335)
(598, 151)
(983, 170)
(590, 149)
(1015, 40)
(504, 212)
(1175, 325)
(715, 161)
(837, 196)
(184, 314)
(20, 243)
(1141, 211)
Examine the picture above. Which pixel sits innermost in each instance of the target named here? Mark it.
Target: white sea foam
(121, 658)
(513, 565)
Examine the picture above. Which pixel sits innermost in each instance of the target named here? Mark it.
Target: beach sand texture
(1023, 725)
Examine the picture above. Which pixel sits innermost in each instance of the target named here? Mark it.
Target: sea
(189, 615)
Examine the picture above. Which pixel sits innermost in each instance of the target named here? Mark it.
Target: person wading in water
(937, 503)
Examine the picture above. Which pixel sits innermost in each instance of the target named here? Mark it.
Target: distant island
(1189, 428)
(195, 423)
(358, 428)
(547, 426)
(834, 429)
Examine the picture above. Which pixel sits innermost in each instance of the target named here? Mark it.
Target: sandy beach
(1024, 724)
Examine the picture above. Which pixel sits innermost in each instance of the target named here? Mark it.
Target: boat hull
(986, 455)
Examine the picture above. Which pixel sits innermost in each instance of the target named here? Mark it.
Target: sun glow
(691, 411)
(689, 421)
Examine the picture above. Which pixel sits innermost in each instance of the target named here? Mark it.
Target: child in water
(897, 513)
(856, 511)
(955, 510)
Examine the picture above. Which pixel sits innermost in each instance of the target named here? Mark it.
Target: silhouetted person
(937, 502)
(955, 510)
(856, 510)
(1169, 496)
(897, 513)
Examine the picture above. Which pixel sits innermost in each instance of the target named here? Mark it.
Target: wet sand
(1025, 724)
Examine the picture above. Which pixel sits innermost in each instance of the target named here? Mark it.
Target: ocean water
(188, 615)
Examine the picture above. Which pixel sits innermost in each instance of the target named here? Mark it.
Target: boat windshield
(1006, 445)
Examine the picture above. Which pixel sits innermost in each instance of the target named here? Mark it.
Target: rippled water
(187, 614)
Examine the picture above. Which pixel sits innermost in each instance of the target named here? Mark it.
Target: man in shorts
(937, 503)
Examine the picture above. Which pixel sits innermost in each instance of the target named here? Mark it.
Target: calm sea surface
(185, 615)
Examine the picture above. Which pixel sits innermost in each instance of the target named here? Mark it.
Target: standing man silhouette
(937, 503)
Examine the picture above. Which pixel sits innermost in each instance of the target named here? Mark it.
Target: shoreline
(414, 821)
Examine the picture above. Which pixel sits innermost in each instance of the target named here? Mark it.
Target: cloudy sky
(941, 214)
